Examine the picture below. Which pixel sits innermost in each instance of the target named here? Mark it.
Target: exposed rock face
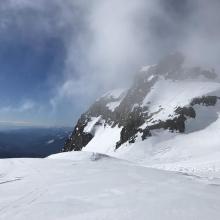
(78, 138)
(205, 100)
(130, 111)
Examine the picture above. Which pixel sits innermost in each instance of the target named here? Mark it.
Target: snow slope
(66, 187)
(197, 151)
(104, 139)
(166, 95)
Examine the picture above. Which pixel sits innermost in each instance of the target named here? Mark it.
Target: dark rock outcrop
(205, 100)
(78, 138)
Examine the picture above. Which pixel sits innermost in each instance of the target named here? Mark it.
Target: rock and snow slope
(85, 186)
(168, 119)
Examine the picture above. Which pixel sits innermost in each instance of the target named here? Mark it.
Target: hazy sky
(57, 57)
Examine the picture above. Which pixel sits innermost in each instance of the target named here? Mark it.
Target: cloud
(16, 123)
(24, 107)
(117, 37)
(21, 115)
(106, 42)
(201, 41)
(107, 50)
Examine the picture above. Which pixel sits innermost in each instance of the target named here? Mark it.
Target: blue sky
(57, 57)
(32, 60)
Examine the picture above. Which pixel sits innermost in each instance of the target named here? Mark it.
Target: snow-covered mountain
(168, 119)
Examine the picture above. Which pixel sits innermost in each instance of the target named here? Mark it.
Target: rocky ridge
(132, 112)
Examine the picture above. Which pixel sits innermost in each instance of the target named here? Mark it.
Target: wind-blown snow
(113, 105)
(115, 94)
(146, 68)
(52, 189)
(118, 96)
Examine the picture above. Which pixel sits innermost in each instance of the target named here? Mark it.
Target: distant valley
(32, 142)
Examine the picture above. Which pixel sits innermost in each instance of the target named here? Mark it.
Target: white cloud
(16, 123)
(107, 51)
(108, 40)
(24, 107)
